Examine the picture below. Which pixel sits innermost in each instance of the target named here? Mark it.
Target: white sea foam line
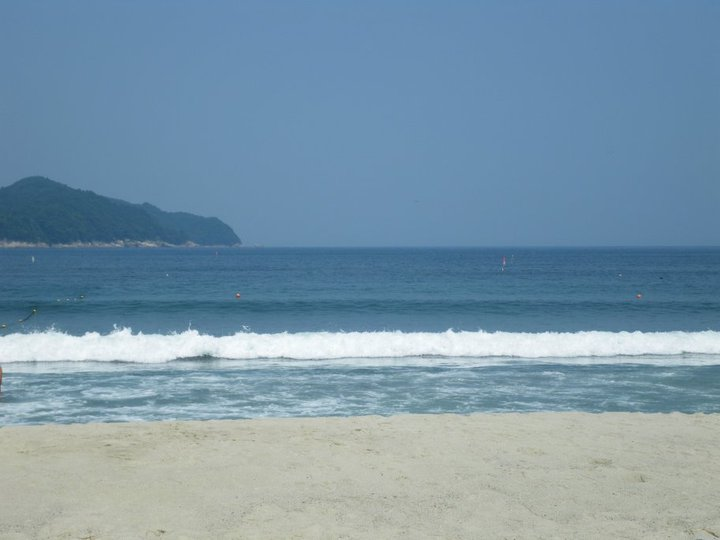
(354, 363)
(124, 345)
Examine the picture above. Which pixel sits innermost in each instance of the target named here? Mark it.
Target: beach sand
(548, 475)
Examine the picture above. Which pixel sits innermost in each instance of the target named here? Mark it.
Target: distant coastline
(39, 212)
(12, 244)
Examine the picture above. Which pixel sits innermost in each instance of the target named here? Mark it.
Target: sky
(377, 123)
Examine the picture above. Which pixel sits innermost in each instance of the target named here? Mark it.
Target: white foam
(124, 345)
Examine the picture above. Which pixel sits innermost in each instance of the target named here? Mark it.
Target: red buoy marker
(237, 295)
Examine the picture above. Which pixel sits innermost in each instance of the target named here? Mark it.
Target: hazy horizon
(378, 124)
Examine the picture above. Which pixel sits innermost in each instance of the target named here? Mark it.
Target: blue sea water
(158, 334)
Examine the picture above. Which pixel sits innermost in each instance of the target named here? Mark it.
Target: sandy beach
(554, 475)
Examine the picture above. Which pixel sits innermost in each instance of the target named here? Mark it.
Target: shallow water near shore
(203, 390)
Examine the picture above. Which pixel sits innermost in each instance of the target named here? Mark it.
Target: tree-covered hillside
(39, 210)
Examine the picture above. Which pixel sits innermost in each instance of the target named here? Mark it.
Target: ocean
(107, 335)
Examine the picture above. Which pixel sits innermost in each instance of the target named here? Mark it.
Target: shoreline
(508, 475)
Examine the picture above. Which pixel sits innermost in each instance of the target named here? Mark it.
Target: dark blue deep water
(148, 334)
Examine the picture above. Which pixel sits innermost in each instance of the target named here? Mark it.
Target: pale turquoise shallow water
(133, 334)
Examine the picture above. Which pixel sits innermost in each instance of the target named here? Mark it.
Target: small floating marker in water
(237, 295)
(638, 296)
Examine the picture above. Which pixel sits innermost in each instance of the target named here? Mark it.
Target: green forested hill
(39, 210)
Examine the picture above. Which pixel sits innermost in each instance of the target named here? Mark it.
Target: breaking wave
(699, 348)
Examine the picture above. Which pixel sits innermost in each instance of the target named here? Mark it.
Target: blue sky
(378, 123)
